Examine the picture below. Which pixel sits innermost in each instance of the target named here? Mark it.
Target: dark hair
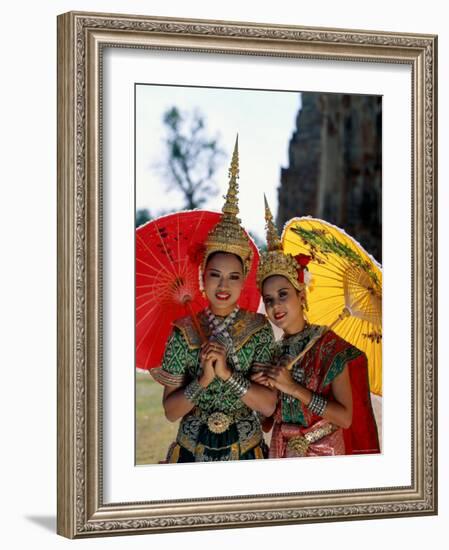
(209, 258)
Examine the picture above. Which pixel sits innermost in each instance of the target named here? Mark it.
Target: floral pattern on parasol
(346, 289)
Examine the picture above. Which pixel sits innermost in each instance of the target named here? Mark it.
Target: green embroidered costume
(220, 426)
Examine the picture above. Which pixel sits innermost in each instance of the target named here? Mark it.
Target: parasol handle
(343, 315)
(188, 305)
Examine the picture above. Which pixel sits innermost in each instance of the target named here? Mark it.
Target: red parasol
(169, 251)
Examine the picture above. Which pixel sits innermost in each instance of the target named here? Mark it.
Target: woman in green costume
(207, 377)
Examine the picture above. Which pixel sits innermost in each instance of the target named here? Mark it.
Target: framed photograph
(323, 158)
(366, 98)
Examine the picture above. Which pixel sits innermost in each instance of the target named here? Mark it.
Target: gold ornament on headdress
(228, 235)
(274, 261)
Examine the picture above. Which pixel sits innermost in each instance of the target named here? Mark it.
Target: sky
(264, 121)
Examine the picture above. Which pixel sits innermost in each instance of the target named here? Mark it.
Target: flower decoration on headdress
(228, 235)
(303, 259)
(303, 273)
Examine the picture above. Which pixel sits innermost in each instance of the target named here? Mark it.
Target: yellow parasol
(346, 288)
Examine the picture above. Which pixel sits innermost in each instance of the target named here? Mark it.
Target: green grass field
(154, 431)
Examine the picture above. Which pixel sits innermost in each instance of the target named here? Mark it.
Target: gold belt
(218, 421)
(299, 444)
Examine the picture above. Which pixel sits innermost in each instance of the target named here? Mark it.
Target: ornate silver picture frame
(83, 510)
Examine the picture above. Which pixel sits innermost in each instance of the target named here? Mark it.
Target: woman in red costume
(324, 406)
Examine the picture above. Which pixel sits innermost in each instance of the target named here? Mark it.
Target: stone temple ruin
(335, 166)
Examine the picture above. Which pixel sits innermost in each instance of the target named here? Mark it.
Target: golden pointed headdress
(228, 235)
(274, 261)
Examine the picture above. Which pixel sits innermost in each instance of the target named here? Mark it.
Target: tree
(192, 157)
(142, 216)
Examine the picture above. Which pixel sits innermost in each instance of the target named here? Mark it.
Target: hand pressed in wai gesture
(214, 353)
(207, 371)
(260, 377)
(279, 377)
